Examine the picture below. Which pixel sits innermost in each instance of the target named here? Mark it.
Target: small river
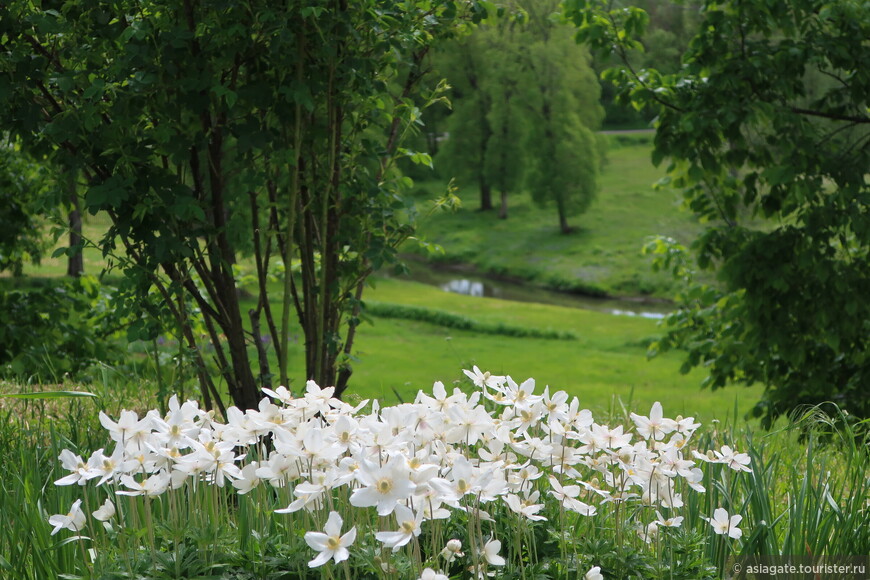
(460, 282)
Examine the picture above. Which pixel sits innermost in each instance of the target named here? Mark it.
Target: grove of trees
(525, 111)
(766, 129)
(211, 130)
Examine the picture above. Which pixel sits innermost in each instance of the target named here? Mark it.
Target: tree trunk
(485, 195)
(75, 262)
(563, 219)
(503, 209)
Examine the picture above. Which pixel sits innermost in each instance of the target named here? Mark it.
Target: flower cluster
(503, 447)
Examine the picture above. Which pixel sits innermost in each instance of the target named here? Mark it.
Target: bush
(57, 329)
(449, 320)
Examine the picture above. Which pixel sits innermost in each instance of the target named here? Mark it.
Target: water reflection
(467, 287)
(652, 315)
(483, 287)
(492, 290)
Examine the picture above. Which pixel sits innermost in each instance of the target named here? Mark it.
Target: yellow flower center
(384, 486)
(462, 486)
(408, 527)
(333, 542)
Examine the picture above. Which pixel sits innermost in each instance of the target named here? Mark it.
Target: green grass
(603, 254)
(606, 362)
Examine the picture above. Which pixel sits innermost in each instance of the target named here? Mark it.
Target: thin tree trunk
(485, 195)
(503, 209)
(563, 219)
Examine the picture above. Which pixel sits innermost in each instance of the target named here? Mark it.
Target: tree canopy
(766, 129)
(525, 108)
(209, 130)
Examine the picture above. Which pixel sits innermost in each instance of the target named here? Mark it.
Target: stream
(462, 282)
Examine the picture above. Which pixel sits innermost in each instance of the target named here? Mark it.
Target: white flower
(525, 507)
(248, 479)
(409, 527)
(281, 393)
(563, 493)
(722, 524)
(153, 486)
(734, 460)
(106, 511)
(430, 574)
(72, 462)
(490, 552)
(128, 428)
(594, 573)
(673, 522)
(655, 426)
(452, 550)
(74, 520)
(384, 486)
(330, 544)
(650, 532)
(483, 380)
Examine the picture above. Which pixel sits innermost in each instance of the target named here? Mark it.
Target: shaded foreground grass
(802, 497)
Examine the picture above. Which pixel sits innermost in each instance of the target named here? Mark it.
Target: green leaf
(50, 395)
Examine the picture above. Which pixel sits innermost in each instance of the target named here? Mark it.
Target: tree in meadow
(467, 61)
(766, 130)
(562, 149)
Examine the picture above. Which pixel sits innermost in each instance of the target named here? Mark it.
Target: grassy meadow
(601, 255)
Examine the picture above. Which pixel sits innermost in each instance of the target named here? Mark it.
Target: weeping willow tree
(525, 110)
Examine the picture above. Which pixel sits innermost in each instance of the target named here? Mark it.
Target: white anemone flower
(151, 487)
(409, 528)
(330, 543)
(656, 425)
(563, 493)
(483, 380)
(128, 428)
(594, 573)
(281, 394)
(106, 511)
(430, 574)
(490, 552)
(452, 550)
(384, 486)
(734, 460)
(673, 522)
(527, 506)
(724, 525)
(72, 462)
(74, 520)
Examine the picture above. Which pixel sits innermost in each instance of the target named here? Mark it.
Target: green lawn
(603, 254)
(607, 360)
